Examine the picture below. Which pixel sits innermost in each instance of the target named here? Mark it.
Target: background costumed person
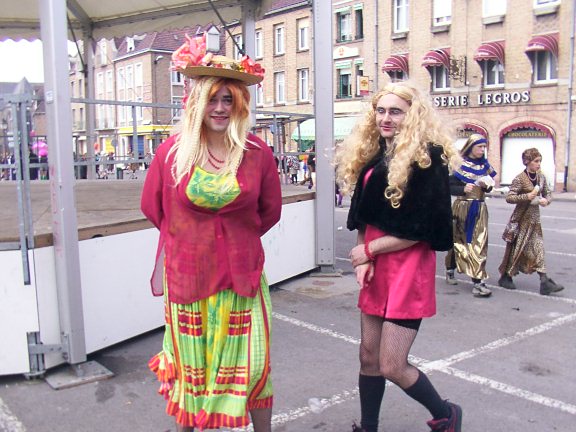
(523, 234)
(397, 163)
(212, 190)
(470, 215)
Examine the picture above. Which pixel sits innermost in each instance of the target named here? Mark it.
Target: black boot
(548, 286)
(506, 282)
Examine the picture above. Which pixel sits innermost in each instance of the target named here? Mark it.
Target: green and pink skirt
(215, 361)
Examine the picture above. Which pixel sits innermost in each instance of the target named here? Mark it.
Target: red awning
(476, 128)
(439, 57)
(396, 62)
(529, 125)
(490, 51)
(547, 42)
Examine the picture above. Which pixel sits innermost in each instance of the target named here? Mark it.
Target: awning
(490, 51)
(439, 57)
(476, 128)
(547, 42)
(396, 62)
(342, 128)
(529, 125)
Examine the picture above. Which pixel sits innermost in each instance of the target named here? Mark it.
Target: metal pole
(324, 141)
(64, 222)
(249, 38)
(570, 87)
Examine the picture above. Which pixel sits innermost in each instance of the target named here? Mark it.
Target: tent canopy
(112, 18)
(342, 128)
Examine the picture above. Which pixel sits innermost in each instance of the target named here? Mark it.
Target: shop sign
(527, 133)
(483, 99)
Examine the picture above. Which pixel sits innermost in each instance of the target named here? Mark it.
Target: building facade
(502, 68)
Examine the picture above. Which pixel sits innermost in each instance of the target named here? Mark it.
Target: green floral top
(205, 189)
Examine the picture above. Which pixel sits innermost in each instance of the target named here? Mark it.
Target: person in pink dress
(396, 163)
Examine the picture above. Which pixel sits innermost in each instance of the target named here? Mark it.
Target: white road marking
(442, 365)
(8, 421)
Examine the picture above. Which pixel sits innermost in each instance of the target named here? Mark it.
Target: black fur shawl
(425, 212)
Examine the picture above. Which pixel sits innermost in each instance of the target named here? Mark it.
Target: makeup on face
(390, 113)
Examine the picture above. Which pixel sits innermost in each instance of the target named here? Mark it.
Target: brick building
(502, 68)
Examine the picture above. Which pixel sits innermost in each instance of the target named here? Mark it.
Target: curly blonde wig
(420, 126)
(191, 144)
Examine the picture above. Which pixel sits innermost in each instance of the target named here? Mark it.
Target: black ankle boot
(548, 286)
(506, 282)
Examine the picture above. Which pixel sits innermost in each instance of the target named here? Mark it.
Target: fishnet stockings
(384, 350)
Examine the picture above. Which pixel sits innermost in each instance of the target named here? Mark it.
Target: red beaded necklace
(217, 163)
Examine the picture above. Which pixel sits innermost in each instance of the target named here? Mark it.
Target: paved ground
(507, 360)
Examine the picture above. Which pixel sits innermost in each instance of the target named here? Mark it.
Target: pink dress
(403, 285)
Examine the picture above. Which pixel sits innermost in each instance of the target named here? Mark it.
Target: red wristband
(368, 253)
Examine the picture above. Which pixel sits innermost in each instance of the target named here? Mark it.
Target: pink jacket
(200, 251)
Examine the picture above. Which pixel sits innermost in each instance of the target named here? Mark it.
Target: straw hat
(192, 60)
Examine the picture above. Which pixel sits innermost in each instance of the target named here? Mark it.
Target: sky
(21, 59)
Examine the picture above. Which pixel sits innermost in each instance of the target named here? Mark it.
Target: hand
(544, 202)
(358, 256)
(468, 188)
(364, 273)
(532, 194)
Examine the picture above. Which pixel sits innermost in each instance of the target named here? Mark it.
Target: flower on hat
(193, 53)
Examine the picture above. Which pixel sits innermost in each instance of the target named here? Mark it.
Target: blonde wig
(420, 126)
(191, 148)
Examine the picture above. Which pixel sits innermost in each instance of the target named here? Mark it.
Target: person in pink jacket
(212, 190)
(396, 162)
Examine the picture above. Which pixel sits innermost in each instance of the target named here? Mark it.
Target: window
(400, 16)
(120, 84)
(177, 112)
(109, 85)
(545, 68)
(278, 40)
(397, 75)
(129, 77)
(176, 78)
(545, 2)
(303, 88)
(103, 52)
(440, 78)
(100, 85)
(442, 12)
(344, 84)
(344, 20)
(359, 16)
(279, 84)
(303, 31)
(258, 51)
(492, 73)
(493, 8)
(260, 95)
(138, 77)
(238, 46)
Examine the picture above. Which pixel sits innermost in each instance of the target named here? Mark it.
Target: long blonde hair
(190, 147)
(420, 127)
